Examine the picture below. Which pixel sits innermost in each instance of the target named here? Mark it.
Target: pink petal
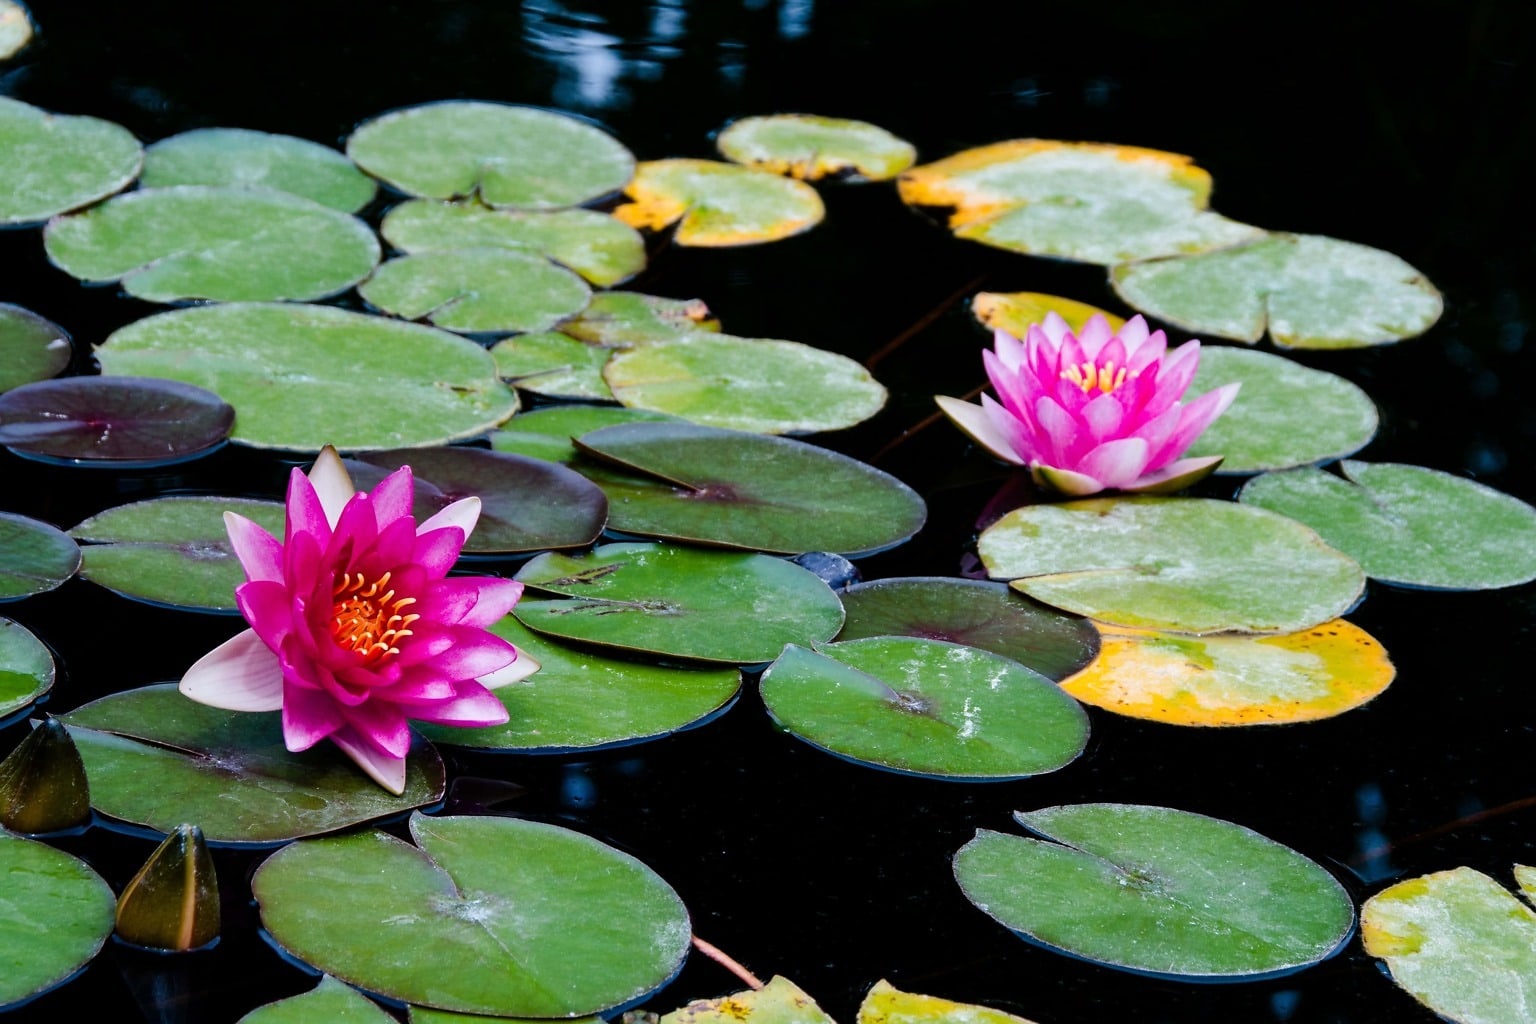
(383, 768)
(1095, 334)
(1104, 416)
(383, 724)
(332, 485)
(241, 674)
(266, 606)
(1010, 350)
(464, 514)
(477, 706)
(392, 497)
(474, 653)
(437, 550)
(1054, 328)
(469, 600)
(979, 427)
(309, 716)
(1195, 417)
(1061, 431)
(260, 554)
(1065, 481)
(1176, 475)
(1133, 334)
(1012, 388)
(1147, 352)
(305, 512)
(1116, 463)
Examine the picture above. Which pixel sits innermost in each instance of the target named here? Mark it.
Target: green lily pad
(682, 481)
(554, 365)
(1157, 891)
(171, 551)
(116, 422)
(717, 204)
(810, 147)
(580, 700)
(58, 912)
(1410, 525)
(31, 348)
(679, 602)
(1285, 415)
(15, 29)
(925, 707)
(506, 156)
(206, 242)
(427, 1015)
(1075, 200)
(885, 1004)
(34, 557)
(780, 1001)
(621, 319)
(477, 290)
(525, 504)
(1307, 291)
(330, 1001)
(536, 920)
(236, 156)
(548, 433)
(26, 667)
(754, 384)
(975, 613)
(1458, 942)
(156, 759)
(1192, 565)
(600, 248)
(301, 377)
(50, 163)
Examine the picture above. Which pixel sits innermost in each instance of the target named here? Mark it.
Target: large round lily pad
(237, 156)
(50, 163)
(1408, 524)
(680, 602)
(171, 550)
(34, 556)
(925, 707)
(156, 759)
(58, 912)
(717, 204)
(1016, 312)
(683, 481)
(504, 155)
(220, 243)
(1307, 291)
(976, 613)
(31, 348)
(756, 384)
(1076, 200)
(301, 377)
(549, 433)
(1192, 565)
(1157, 891)
(115, 422)
(26, 667)
(581, 700)
(810, 147)
(483, 915)
(477, 290)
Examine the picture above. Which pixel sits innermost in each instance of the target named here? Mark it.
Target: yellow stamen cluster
(1088, 376)
(367, 617)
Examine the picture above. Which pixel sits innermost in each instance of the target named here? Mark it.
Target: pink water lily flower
(1093, 412)
(356, 625)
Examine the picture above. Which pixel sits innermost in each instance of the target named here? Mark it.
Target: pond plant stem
(722, 958)
(923, 322)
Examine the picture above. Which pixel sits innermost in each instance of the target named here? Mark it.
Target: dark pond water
(795, 862)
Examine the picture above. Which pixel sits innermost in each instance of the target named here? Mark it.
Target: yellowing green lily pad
(15, 29)
(1076, 200)
(1234, 680)
(811, 147)
(1016, 312)
(50, 163)
(477, 290)
(620, 319)
(301, 377)
(780, 1001)
(330, 1001)
(717, 204)
(34, 556)
(58, 912)
(1307, 291)
(236, 156)
(885, 1004)
(26, 667)
(755, 384)
(31, 347)
(1192, 565)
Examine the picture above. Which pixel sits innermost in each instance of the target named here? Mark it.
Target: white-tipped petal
(1065, 481)
(975, 422)
(464, 514)
(332, 483)
(1176, 475)
(241, 674)
(516, 672)
(387, 771)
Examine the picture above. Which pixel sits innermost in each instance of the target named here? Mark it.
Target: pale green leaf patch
(810, 147)
(50, 163)
(58, 912)
(477, 290)
(247, 159)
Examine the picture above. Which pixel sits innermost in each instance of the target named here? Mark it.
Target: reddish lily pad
(31, 348)
(113, 422)
(34, 556)
(717, 204)
(811, 147)
(549, 433)
(236, 156)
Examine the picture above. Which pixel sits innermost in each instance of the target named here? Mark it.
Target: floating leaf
(1458, 942)
(1157, 891)
(717, 204)
(1076, 200)
(925, 707)
(235, 156)
(1408, 524)
(172, 550)
(31, 348)
(1016, 312)
(1234, 680)
(579, 700)
(58, 912)
(759, 385)
(478, 290)
(206, 242)
(50, 163)
(547, 433)
(504, 155)
(620, 319)
(34, 557)
(172, 904)
(810, 147)
(747, 491)
(301, 377)
(116, 422)
(975, 613)
(679, 602)
(1285, 415)
(887, 1005)
(600, 248)
(15, 29)
(1308, 291)
(43, 787)
(330, 1001)
(780, 1001)
(484, 915)
(554, 364)
(157, 759)
(26, 666)
(426, 1015)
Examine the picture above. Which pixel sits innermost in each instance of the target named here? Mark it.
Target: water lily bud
(42, 783)
(173, 902)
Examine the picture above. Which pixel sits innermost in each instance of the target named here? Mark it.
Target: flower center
(1087, 375)
(367, 617)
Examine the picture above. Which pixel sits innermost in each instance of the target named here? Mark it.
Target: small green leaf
(31, 348)
(34, 557)
(810, 147)
(172, 904)
(780, 1001)
(331, 1001)
(247, 159)
(477, 290)
(58, 912)
(50, 163)
(716, 204)
(26, 666)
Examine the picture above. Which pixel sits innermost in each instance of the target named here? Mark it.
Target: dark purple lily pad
(976, 613)
(119, 422)
(31, 348)
(34, 557)
(525, 504)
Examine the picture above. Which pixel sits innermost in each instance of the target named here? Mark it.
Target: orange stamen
(366, 616)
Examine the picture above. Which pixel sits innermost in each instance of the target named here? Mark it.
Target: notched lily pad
(58, 912)
(549, 433)
(113, 422)
(716, 204)
(780, 1001)
(34, 556)
(477, 290)
(620, 319)
(1016, 312)
(1307, 291)
(26, 667)
(236, 156)
(811, 147)
(554, 365)
(31, 348)
(50, 163)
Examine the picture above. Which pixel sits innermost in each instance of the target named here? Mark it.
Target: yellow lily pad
(1234, 680)
(886, 1004)
(1016, 312)
(810, 147)
(780, 1001)
(718, 204)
